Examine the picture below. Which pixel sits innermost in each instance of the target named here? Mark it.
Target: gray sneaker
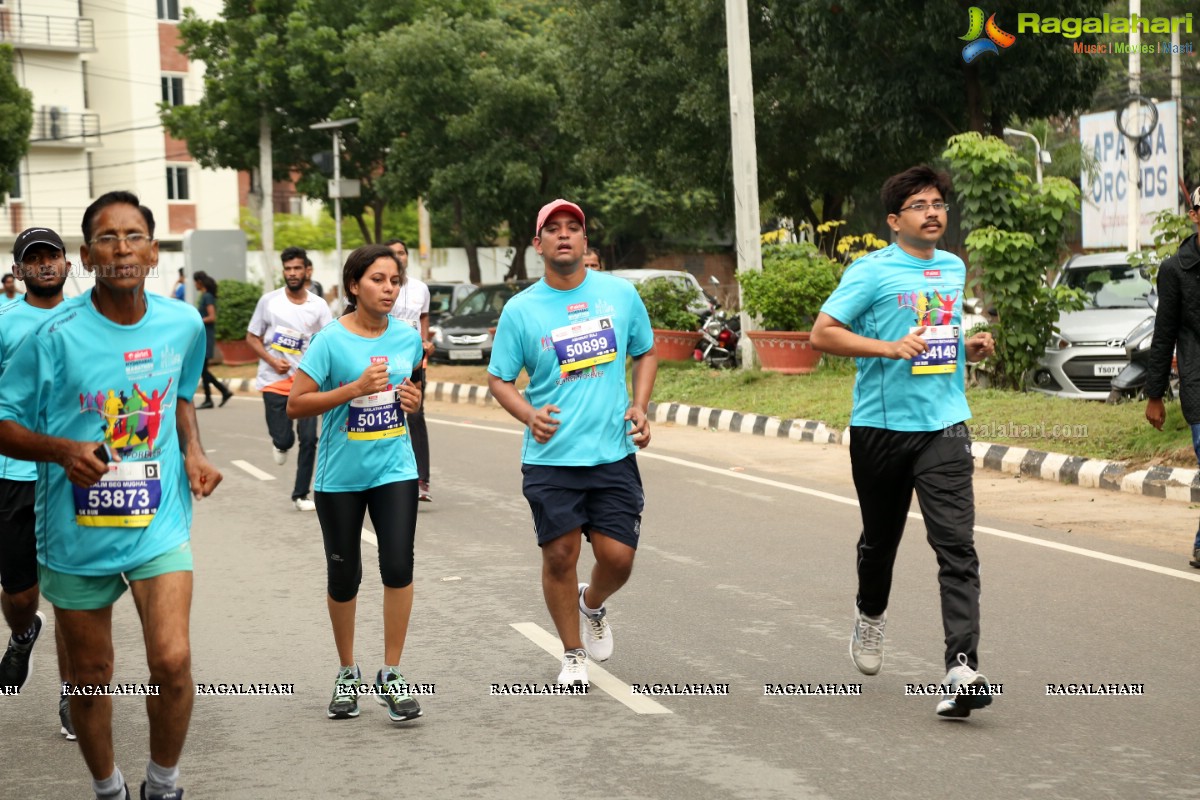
(391, 690)
(866, 642)
(344, 704)
(64, 719)
(963, 690)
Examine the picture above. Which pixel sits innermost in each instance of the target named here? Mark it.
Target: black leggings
(393, 508)
(211, 380)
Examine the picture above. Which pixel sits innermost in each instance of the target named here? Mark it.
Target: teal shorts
(89, 592)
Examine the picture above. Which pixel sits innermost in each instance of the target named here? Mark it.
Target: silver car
(1089, 349)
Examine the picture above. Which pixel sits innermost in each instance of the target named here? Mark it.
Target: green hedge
(235, 306)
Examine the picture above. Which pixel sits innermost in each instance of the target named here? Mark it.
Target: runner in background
(412, 308)
(40, 261)
(283, 323)
(357, 373)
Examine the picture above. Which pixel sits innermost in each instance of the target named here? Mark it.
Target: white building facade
(98, 70)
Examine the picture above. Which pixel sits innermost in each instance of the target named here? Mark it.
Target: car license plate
(466, 355)
(1107, 370)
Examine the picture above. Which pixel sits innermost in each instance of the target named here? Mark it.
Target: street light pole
(335, 193)
(1037, 153)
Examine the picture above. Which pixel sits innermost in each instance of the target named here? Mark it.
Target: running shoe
(225, 395)
(423, 492)
(1195, 562)
(206, 404)
(866, 642)
(344, 704)
(574, 669)
(280, 456)
(174, 794)
(597, 633)
(17, 663)
(304, 504)
(64, 719)
(963, 690)
(391, 690)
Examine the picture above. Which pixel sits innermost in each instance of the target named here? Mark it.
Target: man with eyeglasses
(115, 499)
(1177, 333)
(898, 312)
(40, 261)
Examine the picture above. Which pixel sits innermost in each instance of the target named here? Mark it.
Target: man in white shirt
(412, 306)
(284, 322)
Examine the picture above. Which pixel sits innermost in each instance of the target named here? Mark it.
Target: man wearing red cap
(571, 332)
(1177, 333)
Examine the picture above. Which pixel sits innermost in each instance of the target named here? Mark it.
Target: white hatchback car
(1089, 349)
(635, 276)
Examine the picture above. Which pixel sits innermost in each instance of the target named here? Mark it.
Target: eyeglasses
(134, 239)
(921, 207)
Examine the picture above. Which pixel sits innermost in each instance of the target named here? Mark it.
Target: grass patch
(1029, 419)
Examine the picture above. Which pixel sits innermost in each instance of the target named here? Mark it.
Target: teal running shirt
(364, 443)
(884, 295)
(81, 376)
(573, 345)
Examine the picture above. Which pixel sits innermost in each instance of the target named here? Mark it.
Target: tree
(470, 109)
(16, 121)
(1017, 231)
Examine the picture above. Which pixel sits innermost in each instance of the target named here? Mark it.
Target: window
(168, 10)
(172, 90)
(14, 193)
(177, 183)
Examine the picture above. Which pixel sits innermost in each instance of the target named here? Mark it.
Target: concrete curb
(1168, 482)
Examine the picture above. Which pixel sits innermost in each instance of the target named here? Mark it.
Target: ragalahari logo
(996, 40)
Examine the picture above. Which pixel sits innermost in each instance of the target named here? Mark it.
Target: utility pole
(1133, 167)
(745, 156)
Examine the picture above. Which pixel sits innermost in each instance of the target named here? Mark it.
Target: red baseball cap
(553, 206)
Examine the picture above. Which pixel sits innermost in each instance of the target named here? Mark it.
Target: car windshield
(1114, 286)
(439, 299)
(491, 298)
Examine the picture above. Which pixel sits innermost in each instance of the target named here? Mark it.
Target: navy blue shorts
(606, 498)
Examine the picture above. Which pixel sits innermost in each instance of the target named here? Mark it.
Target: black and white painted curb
(1171, 483)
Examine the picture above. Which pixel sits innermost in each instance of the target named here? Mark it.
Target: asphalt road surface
(744, 578)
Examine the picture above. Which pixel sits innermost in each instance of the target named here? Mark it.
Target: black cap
(31, 236)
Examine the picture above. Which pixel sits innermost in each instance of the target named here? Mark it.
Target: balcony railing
(40, 32)
(56, 126)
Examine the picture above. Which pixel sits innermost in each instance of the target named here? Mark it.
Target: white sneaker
(866, 642)
(280, 456)
(574, 669)
(597, 634)
(304, 504)
(963, 689)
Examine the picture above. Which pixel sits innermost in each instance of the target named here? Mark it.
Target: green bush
(667, 304)
(235, 305)
(795, 281)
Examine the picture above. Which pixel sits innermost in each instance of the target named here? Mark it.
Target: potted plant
(235, 305)
(786, 297)
(676, 330)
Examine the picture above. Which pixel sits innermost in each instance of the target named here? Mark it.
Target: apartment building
(98, 70)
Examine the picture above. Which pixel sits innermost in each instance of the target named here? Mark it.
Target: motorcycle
(1130, 383)
(719, 335)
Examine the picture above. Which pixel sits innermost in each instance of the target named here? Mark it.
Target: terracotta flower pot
(789, 352)
(675, 345)
(236, 352)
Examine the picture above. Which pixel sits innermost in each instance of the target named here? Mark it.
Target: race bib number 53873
(126, 497)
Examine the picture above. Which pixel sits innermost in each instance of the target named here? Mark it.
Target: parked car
(701, 306)
(463, 336)
(444, 297)
(1089, 349)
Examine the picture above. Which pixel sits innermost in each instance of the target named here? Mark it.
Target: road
(745, 577)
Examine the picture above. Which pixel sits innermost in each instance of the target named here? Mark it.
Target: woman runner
(356, 373)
